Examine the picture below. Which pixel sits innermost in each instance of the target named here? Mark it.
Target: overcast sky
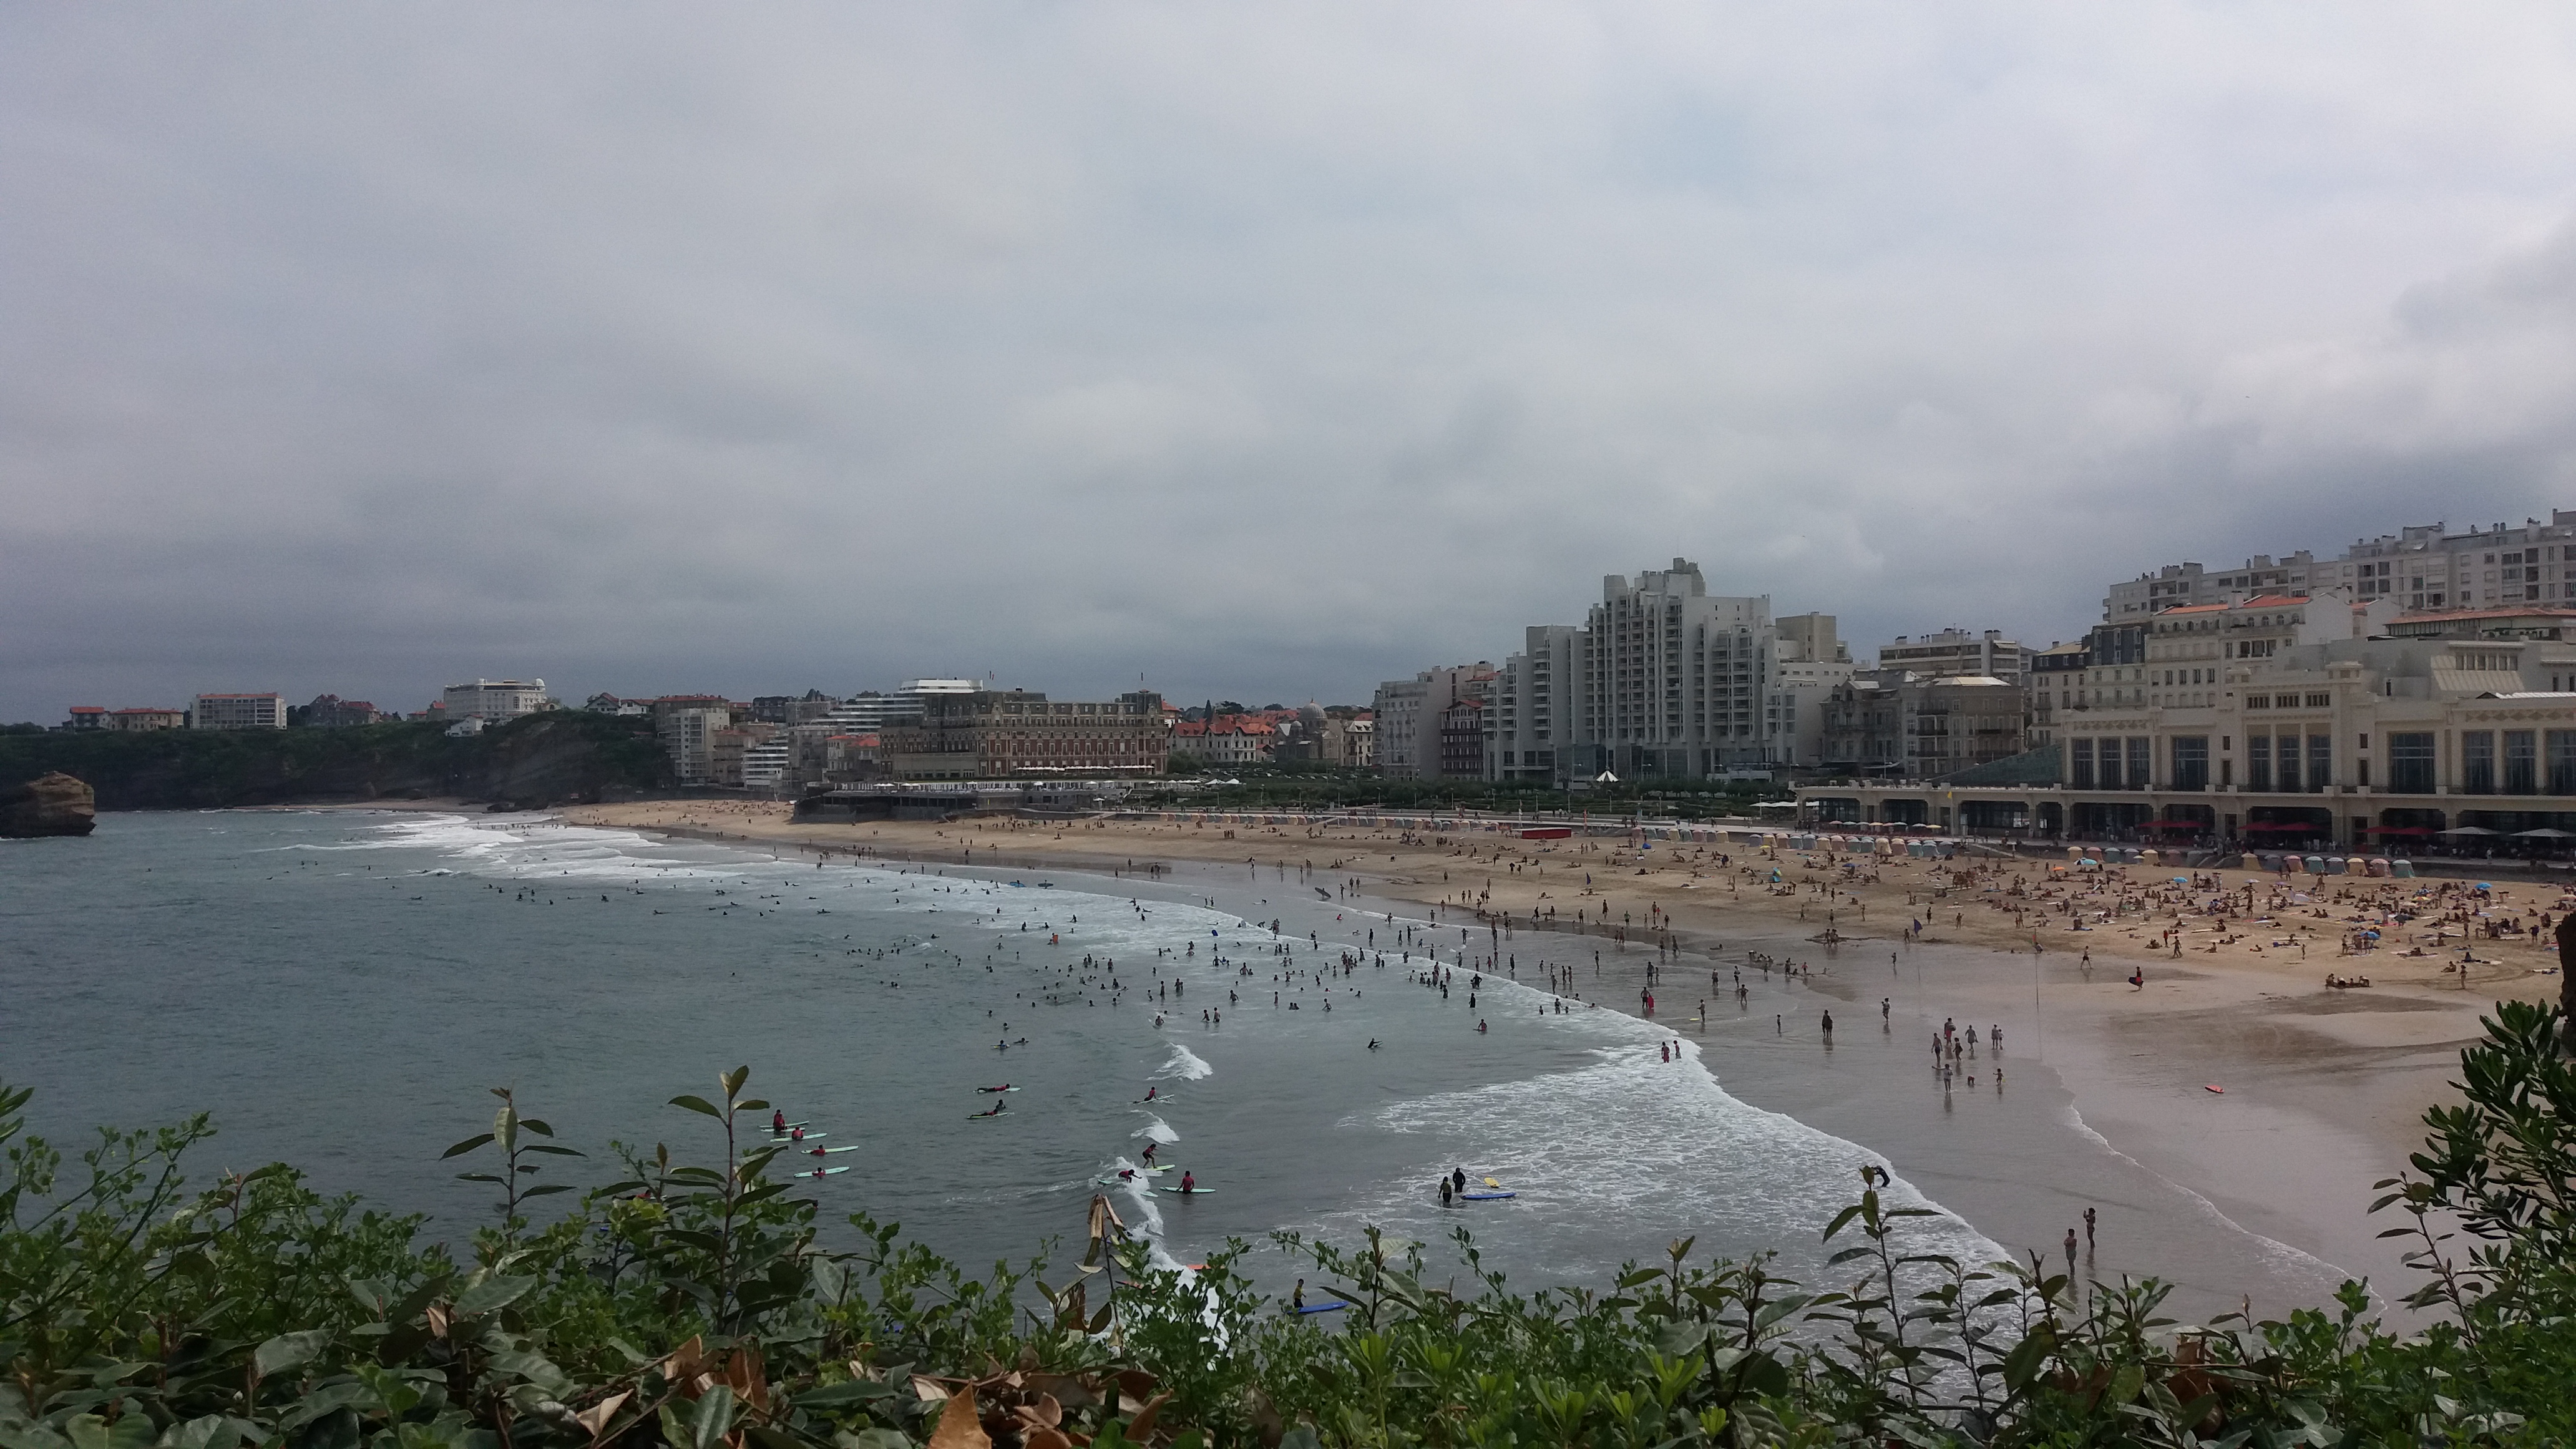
(1258, 351)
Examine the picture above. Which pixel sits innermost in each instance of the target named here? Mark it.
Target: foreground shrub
(690, 1306)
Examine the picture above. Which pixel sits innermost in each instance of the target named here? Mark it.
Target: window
(2321, 701)
(2320, 763)
(2191, 762)
(2521, 763)
(2258, 701)
(2258, 762)
(2477, 762)
(2562, 761)
(2141, 758)
(2080, 763)
(2289, 763)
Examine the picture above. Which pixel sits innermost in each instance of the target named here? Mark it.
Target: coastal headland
(2186, 1013)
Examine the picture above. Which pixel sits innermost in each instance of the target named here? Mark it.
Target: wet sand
(2323, 1090)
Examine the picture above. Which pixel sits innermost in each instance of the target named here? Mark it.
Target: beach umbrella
(2467, 830)
(2545, 833)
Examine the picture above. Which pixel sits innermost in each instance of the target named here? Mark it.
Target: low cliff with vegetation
(558, 757)
(692, 1305)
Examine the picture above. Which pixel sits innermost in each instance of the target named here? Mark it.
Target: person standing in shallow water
(2070, 1252)
(1829, 1026)
(2567, 980)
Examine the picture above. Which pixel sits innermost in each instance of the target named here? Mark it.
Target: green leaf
(552, 1150)
(492, 1294)
(214, 1431)
(468, 1145)
(872, 1439)
(27, 1434)
(289, 1350)
(697, 1104)
(542, 1191)
(712, 1420)
(1842, 1220)
(478, 1177)
(132, 1430)
(849, 1391)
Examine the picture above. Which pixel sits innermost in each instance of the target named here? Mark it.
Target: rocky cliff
(563, 756)
(51, 804)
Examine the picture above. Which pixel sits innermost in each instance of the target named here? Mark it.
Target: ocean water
(340, 988)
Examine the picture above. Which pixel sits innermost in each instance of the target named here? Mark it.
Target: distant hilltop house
(495, 700)
(237, 712)
(85, 718)
(331, 712)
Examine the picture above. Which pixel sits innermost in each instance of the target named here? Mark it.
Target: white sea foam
(1184, 1065)
(1634, 1146)
(1159, 1130)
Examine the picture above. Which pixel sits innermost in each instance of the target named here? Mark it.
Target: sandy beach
(2321, 1088)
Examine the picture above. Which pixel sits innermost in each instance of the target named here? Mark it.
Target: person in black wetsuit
(1458, 1179)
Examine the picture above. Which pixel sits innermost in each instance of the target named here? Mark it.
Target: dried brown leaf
(958, 1426)
(1141, 1428)
(928, 1389)
(684, 1364)
(747, 1376)
(1044, 1439)
(596, 1417)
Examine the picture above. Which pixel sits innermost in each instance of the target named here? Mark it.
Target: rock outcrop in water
(50, 804)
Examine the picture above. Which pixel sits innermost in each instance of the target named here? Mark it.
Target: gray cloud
(1261, 352)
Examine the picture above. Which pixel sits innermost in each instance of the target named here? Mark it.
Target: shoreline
(2323, 1090)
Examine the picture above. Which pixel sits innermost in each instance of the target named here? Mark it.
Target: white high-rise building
(1665, 678)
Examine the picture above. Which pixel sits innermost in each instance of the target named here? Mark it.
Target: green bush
(691, 1306)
